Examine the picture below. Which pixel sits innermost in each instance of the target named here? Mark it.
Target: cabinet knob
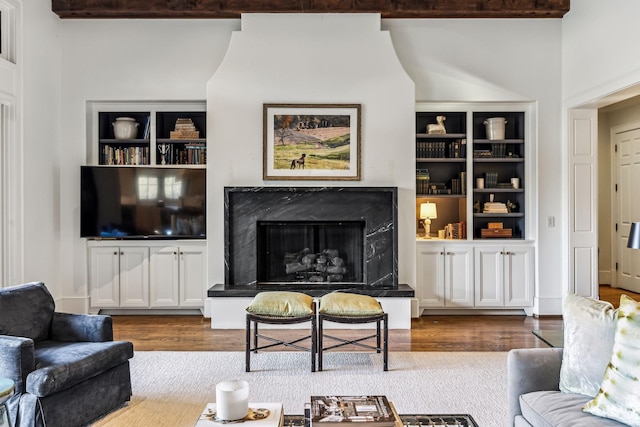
(175, 253)
(115, 253)
(441, 253)
(449, 253)
(121, 253)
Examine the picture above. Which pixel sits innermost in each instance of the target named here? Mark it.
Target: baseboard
(605, 277)
(548, 306)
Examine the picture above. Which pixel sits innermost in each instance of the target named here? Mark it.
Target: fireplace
(311, 253)
(301, 238)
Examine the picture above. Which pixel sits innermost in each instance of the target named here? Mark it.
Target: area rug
(172, 388)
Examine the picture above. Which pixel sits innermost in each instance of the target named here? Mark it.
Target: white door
(628, 207)
(164, 272)
(458, 273)
(430, 275)
(583, 202)
(134, 277)
(518, 276)
(104, 276)
(489, 276)
(193, 276)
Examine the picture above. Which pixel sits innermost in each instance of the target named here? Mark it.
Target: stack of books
(495, 207)
(185, 129)
(366, 411)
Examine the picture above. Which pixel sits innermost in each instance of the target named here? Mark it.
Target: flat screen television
(122, 202)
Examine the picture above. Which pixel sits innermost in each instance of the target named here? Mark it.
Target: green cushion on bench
(280, 303)
(345, 304)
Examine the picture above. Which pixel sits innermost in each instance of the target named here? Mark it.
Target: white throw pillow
(589, 329)
(619, 396)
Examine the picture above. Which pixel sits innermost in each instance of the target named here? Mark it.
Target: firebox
(310, 252)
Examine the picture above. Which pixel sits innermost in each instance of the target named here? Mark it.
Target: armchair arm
(16, 360)
(531, 369)
(81, 327)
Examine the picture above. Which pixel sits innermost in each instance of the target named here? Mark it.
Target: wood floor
(428, 333)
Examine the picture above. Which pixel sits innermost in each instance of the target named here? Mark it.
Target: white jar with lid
(125, 128)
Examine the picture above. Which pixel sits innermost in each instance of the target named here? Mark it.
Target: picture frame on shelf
(311, 141)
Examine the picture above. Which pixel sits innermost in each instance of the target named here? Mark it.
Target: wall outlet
(551, 221)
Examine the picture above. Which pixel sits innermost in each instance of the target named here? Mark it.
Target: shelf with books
(171, 133)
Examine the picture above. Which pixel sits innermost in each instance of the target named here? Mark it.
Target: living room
(583, 61)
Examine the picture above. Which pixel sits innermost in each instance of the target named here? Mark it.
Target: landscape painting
(311, 141)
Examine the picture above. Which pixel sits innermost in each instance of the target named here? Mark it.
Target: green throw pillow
(619, 395)
(589, 328)
(290, 304)
(344, 304)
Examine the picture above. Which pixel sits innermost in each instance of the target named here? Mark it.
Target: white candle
(232, 400)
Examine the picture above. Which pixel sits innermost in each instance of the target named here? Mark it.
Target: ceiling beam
(210, 9)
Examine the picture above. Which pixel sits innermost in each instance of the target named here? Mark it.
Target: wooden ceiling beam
(226, 9)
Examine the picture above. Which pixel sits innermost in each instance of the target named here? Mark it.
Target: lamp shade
(634, 236)
(428, 210)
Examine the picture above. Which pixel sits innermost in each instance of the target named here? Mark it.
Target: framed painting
(311, 142)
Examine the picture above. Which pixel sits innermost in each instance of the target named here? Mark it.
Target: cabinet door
(430, 275)
(518, 276)
(193, 276)
(458, 266)
(134, 277)
(489, 276)
(104, 276)
(164, 276)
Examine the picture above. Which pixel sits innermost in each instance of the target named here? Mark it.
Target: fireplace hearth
(311, 238)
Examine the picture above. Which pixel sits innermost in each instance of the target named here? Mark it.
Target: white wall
(173, 59)
(473, 60)
(298, 58)
(40, 62)
(599, 49)
(120, 60)
(72, 61)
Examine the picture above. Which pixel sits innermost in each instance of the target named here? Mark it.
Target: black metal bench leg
(247, 351)
(378, 336)
(320, 334)
(314, 340)
(255, 337)
(385, 348)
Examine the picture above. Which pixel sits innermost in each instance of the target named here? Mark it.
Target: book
(333, 411)
(260, 414)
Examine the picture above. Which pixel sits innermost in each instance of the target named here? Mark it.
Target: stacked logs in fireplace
(325, 266)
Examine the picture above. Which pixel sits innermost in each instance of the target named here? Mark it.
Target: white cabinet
(504, 276)
(178, 274)
(147, 274)
(445, 275)
(119, 276)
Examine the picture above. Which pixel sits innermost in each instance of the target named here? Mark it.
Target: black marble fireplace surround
(247, 209)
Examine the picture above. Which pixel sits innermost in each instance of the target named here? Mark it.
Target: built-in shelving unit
(167, 134)
(481, 185)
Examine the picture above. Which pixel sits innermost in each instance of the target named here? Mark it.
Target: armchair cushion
(62, 365)
(81, 327)
(27, 311)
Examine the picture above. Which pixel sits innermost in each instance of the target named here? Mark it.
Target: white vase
(125, 128)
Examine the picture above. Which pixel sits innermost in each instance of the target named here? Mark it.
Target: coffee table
(408, 420)
(551, 337)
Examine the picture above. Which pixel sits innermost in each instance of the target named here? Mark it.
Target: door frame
(613, 131)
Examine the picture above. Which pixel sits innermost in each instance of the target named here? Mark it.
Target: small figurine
(437, 128)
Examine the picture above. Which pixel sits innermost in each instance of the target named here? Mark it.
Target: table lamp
(427, 213)
(634, 236)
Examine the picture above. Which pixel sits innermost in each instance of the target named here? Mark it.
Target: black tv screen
(142, 202)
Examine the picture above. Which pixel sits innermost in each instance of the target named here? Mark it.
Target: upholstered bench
(348, 308)
(280, 308)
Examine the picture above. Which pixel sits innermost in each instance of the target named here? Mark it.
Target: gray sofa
(67, 369)
(534, 395)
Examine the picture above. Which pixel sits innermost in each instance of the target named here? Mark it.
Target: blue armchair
(67, 369)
